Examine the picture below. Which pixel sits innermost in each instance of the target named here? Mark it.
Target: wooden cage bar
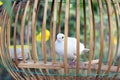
(117, 27)
(66, 35)
(118, 33)
(91, 36)
(45, 67)
(111, 35)
(94, 30)
(22, 30)
(16, 21)
(43, 32)
(34, 53)
(59, 17)
(28, 32)
(85, 26)
(101, 37)
(51, 32)
(77, 37)
(8, 30)
(54, 30)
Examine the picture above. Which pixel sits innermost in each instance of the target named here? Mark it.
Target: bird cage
(25, 58)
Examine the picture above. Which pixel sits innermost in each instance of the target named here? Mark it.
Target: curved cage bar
(28, 54)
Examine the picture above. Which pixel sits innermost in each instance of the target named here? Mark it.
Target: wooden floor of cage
(59, 66)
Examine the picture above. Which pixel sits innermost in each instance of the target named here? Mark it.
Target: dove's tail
(86, 50)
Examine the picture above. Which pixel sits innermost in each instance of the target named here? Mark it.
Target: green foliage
(7, 4)
(4, 75)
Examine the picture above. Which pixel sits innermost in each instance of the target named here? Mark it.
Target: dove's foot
(71, 64)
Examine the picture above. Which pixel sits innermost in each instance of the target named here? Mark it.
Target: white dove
(71, 47)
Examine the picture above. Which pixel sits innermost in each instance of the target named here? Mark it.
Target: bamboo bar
(111, 34)
(51, 35)
(117, 27)
(117, 70)
(8, 31)
(34, 52)
(51, 32)
(44, 33)
(54, 30)
(22, 31)
(78, 36)
(94, 30)
(84, 12)
(66, 35)
(16, 21)
(28, 31)
(85, 26)
(91, 38)
(111, 37)
(101, 37)
(59, 16)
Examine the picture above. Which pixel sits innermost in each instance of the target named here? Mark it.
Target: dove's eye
(62, 37)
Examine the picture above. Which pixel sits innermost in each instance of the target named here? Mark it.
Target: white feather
(71, 46)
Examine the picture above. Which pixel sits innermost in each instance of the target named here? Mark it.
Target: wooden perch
(50, 65)
(92, 62)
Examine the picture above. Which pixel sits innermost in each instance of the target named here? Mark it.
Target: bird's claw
(71, 64)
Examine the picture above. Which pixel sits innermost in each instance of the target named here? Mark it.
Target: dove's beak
(58, 40)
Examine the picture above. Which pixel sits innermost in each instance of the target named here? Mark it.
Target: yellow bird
(1, 3)
(39, 36)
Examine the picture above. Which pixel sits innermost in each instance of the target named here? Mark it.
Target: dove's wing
(71, 48)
